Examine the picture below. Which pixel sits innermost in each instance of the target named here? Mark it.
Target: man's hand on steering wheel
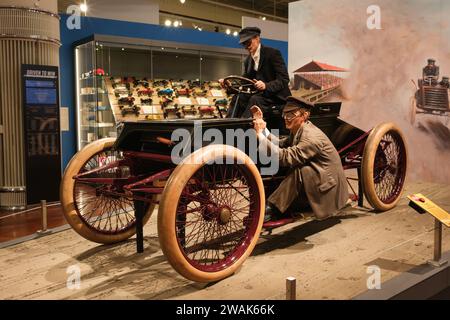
(238, 84)
(261, 86)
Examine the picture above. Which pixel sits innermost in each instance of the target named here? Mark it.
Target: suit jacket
(272, 71)
(322, 174)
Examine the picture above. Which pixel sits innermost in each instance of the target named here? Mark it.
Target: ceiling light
(176, 24)
(168, 23)
(264, 18)
(83, 7)
(228, 31)
(182, 1)
(123, 49)
(200, 29)
(235, 33)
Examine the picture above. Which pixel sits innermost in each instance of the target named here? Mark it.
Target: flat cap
(248, 33)
(293, 103)
(431, 60)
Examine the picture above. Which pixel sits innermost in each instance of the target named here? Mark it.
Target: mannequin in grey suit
(315, 166)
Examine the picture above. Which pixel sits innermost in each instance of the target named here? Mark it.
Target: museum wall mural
(386, 61)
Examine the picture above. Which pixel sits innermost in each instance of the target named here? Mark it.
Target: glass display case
(104, 64)
(95, 119)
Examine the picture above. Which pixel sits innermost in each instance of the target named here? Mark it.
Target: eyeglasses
(290, 116)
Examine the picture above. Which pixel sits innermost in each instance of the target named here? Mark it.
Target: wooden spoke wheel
(211, 214)
(384, 166)
(92, 209)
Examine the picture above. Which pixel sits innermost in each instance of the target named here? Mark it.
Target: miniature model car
(197, 92)
(214, 85)
(210, 212)
(209, 110)
(129, 109)
(189, 110)
(206, 109)
(160, 83)
(127, 100)
(178, 84)
(144, 92)
(196, 84)
(182, 92)
(148, 101)
(171, 110)
(221, 102)
(165, 102)
(165, 92)
(99, 72)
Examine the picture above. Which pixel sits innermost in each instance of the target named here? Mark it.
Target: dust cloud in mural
(371, 56)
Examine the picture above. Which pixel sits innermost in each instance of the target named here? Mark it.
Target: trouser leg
(288, 191)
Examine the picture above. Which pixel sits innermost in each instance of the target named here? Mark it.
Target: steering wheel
(238, 84)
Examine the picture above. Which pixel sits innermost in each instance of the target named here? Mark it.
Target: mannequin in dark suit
(270, 73)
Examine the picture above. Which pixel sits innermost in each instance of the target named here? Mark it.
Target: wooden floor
(329, 259)
(23, 223)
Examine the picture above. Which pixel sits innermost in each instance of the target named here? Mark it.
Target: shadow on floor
(297, 234)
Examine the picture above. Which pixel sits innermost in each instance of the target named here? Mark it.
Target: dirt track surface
(329, 259)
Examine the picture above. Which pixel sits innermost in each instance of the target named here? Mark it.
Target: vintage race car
(160, 83)
(210, 211)
(196, 84)
(147, 101)
(214, 85)
(144, 92)
(182, 92)
(165, 92)
(165, 102)
(431, 98)
(129, 100)
(134, 109)
(198, 92)
(178, 84)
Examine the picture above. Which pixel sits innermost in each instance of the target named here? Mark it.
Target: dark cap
(293, 104)
(431, 60)
(248, 33)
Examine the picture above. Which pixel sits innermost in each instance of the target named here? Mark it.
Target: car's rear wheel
(384, 166)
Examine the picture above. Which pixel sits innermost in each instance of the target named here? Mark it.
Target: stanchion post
(437, 254)
(291, 285)
(44, 215)
(44, 229)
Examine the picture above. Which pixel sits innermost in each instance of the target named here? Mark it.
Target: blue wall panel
(90, 26)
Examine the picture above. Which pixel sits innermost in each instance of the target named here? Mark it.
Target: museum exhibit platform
(329, 260)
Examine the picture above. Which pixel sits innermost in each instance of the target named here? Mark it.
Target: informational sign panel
(42, 132)
(419, 201)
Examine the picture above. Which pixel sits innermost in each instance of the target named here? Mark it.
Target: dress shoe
(272, 213)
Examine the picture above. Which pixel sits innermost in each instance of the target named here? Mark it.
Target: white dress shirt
(256, 57)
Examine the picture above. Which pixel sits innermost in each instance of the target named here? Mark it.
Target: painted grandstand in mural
(316, 80)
